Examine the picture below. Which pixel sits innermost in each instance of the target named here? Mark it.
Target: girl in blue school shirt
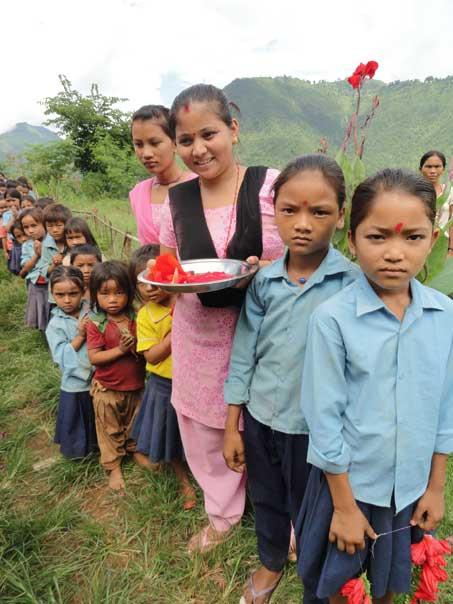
(66, 333)
(377, 394)
(263, 384)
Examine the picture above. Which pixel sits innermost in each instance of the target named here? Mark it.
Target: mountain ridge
(16, 139)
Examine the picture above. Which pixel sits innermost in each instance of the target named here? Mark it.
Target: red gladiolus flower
(371, 68)
(355, 80)
(430, 554)
(361, 72)
(354, 591)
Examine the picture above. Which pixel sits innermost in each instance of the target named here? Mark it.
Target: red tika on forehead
(186, 107)
(398, 227)
(305, 203)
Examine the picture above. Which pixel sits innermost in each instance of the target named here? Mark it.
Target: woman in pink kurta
(155, 149)
(202, 335)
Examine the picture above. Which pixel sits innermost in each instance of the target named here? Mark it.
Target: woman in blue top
(377, 394)
(264, 379)
(75, 431)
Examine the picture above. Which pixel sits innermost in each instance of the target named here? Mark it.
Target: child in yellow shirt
(155, 429)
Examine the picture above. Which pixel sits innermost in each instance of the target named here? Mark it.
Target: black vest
(194, 239)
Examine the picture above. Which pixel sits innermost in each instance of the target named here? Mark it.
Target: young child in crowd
(75, 430)
(28, 201)
(34, 269)
(3, 231)
(380, 406)
(85, 257)
(56, 216)
(43, 202)
(155, 429)
(77, 232)
(117, 386)
(13, 200)
(18, 239)
(263, 383)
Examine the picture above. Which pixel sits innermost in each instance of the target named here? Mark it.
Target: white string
(373, 545)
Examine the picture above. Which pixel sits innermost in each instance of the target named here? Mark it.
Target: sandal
(207, 539)
(267, 592)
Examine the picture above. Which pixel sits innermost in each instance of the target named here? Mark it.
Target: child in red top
(118, 380)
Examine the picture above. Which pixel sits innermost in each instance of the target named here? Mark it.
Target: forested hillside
(283, 117)
(17, 139)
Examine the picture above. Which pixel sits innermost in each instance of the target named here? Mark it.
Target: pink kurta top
(147, 214)
(202, 337)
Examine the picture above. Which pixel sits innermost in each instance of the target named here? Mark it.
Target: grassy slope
(64, 539)
(283, 117)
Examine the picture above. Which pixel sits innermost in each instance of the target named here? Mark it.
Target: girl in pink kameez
(156, 150)
(226, 212)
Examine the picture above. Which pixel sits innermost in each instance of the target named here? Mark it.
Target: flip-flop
(259, 594)
(202, 543)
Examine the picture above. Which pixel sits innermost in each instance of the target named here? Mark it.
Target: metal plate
(238, 268)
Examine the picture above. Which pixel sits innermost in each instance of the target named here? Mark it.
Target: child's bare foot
(189, 496)
(144, 462)
(185, 488)
(116, 480)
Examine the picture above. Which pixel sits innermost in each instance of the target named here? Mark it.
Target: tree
(85, 119)
(51, 162)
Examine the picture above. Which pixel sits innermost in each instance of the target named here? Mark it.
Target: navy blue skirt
(37, 309)
(75, 431)
(155, 429)
(14, 258)
(324, 569)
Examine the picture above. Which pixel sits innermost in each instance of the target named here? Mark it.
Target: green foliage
(84, 119)
(120, 166)
(283, 117)
(51, 162)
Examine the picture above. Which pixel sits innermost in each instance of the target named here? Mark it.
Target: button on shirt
(270, 340)
(75, 367)
(377, 393)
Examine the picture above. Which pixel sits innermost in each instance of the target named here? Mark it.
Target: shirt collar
(100, 319)
(333, 263)
(49, 241)
(156, 312)
(368, 301)
(84, 310)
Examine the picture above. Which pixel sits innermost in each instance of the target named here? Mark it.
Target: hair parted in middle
(315, 162)
(391, 179)
(66, 273)
(111, 270)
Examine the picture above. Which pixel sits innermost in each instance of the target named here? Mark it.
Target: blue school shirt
(27, 254)
(75, 367)
(7, 215)
(48, 250)
(271, 335)
(377, 393)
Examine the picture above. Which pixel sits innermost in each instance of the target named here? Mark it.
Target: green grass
(64, 539)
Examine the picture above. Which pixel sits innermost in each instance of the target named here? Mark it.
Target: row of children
(342, 373)
(58, 254)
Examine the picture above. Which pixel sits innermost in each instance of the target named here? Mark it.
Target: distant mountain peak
(17, 138)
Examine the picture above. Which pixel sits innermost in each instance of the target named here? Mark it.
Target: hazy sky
(148, 50)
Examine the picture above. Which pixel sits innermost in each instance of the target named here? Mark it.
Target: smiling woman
(156, 150)
(227, 212)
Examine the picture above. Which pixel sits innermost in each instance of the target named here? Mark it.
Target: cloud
(171, 84)
(148, 52)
